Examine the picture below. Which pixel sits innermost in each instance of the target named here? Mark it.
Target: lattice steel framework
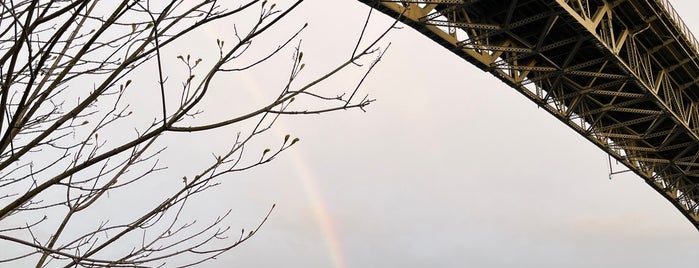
(622, 73)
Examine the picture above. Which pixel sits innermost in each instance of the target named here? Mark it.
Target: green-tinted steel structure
(622, 73)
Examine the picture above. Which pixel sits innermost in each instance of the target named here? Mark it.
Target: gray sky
(449, 168)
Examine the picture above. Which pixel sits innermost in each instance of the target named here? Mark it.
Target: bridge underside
(624, 74)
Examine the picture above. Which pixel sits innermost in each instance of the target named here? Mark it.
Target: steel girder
(622, 73)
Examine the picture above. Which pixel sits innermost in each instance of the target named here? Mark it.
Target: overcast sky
(448, 168)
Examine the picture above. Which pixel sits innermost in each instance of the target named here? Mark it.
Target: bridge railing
(680, 23)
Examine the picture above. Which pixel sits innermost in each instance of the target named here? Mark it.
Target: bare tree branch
(72, 134)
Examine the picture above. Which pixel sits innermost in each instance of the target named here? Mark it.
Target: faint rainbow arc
(320, 212)
(321, 215)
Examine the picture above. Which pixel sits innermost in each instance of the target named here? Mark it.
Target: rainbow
(320, 212)
(322, 218)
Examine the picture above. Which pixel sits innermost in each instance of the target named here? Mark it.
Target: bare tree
(71, 72)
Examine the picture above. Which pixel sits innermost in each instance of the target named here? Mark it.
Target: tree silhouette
(72, 131)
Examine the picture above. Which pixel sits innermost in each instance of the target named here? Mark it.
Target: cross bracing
(622, 73)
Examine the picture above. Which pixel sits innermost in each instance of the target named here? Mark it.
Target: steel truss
(622, 73)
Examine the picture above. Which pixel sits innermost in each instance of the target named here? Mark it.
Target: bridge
(622, 73)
